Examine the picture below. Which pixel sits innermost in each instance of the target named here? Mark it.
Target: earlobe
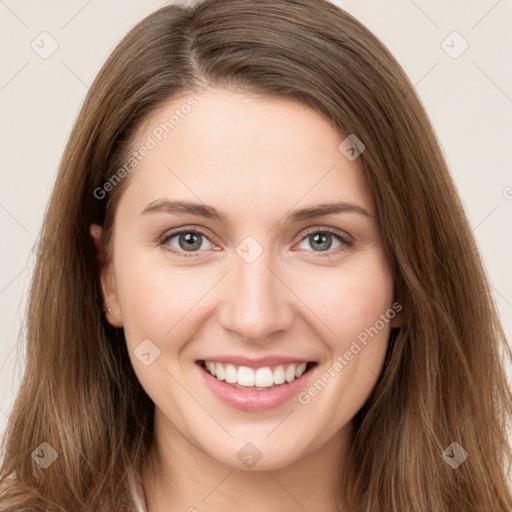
(106, 277)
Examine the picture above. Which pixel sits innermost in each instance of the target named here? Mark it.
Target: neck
(180, 476)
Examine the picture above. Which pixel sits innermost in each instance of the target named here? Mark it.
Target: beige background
(468, 98)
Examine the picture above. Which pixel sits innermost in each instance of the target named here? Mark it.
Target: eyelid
(325, 229)
(345, 239)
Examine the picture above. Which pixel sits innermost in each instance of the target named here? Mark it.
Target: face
(225, 259)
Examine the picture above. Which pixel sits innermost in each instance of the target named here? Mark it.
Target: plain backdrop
(467, 93)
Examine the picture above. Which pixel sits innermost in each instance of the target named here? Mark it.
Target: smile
(261, 378)
(256, 387)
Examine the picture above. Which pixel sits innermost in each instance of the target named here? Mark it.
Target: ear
(107, 278)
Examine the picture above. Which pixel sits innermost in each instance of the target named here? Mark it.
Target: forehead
(248, 151)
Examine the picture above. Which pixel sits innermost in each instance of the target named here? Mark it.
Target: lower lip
(254, 400)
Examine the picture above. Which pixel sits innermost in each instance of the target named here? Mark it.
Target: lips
(255, 384)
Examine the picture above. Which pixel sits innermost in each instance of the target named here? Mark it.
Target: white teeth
(300, 370)
(219, 371)
(260, 378)
(245, 376)
(211, 367)
(279, 375)
(231, 374)
(264, 378)
(289, 375)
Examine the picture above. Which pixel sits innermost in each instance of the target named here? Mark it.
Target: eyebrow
(209, 212)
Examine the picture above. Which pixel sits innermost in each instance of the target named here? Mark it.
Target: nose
(258, 301)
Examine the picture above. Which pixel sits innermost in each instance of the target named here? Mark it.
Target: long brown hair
(443, 380)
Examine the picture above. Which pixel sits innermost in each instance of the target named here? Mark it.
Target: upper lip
(256, 362)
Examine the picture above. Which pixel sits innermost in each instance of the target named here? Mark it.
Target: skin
(256, 159)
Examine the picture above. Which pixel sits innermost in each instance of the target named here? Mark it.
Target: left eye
(322, 240)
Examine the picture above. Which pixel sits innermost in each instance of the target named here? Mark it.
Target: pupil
(192, 240)
(322, 239)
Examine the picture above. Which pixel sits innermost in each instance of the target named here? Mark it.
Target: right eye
(188, 241)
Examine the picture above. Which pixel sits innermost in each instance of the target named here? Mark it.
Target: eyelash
(342, 237)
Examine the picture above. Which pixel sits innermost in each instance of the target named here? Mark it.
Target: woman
(191, 347)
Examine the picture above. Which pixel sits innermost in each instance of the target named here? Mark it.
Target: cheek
(159, 304)
(357, 308)
(158, 301)
(352, 300)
